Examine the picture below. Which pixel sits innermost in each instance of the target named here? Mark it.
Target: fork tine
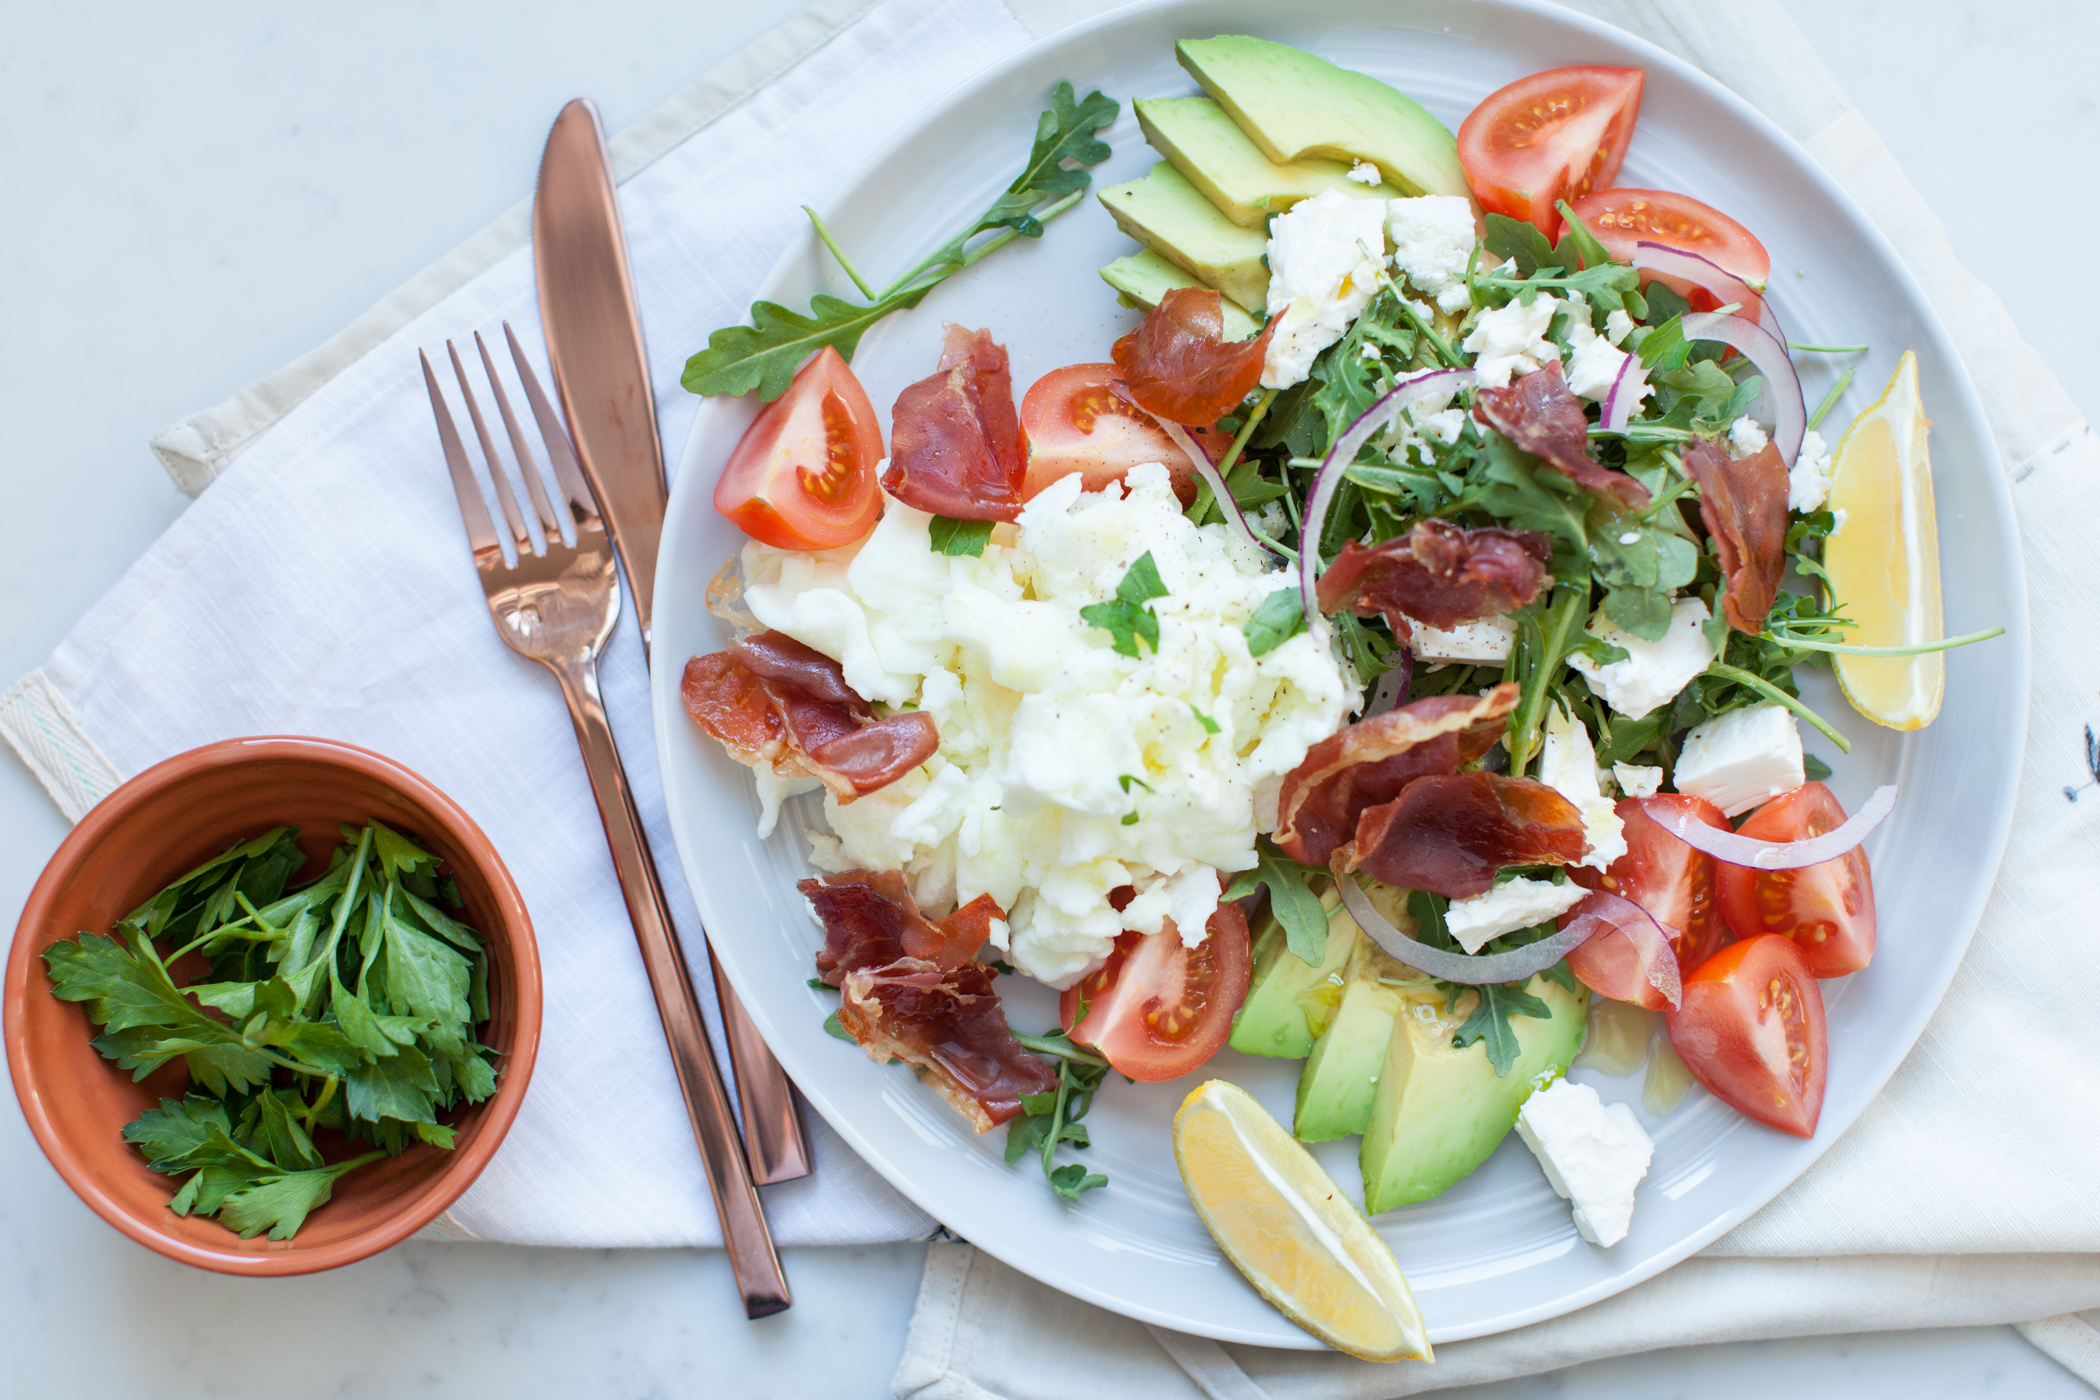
(481, 532)
(518, 446)
(505, 497)
(559, 452)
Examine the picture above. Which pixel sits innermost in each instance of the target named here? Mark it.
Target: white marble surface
(199, 194)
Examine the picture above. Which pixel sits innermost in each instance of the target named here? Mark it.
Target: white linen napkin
(321, 586)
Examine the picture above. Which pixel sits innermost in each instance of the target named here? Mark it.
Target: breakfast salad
(1384, 655)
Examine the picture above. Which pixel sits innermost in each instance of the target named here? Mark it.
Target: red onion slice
(1617, 972)
(1725, 286)
(1625, 394)
(1753, 854)
(1782, 393)
(1328, 479)
(1468, 969)
(1235, 519)
(1393, 685)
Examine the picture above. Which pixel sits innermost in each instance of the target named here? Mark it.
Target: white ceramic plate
(1497, 1250)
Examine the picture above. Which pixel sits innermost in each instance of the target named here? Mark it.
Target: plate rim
(1997, 830)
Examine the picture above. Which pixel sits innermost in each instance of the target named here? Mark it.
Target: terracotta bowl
(150, 831)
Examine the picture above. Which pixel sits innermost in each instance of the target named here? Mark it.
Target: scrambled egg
(1065, 769)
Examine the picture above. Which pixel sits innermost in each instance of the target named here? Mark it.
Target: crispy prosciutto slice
(1742, 502)
(1368, 763)
(1540, 415)
(955, 440)
(949, 1026)
(871, 920)
(770, 700)
(1438, 574)
(1179, 365)
(1450, 834)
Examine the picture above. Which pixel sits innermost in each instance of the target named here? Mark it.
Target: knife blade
(593, 329)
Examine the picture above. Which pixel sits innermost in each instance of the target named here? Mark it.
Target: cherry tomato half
(1751, 1030)
(1552, 136)
(1157, 1009)
(803, 474)
(1623, 219)
(1073, 422)
(1666, 877)
(1828, 909)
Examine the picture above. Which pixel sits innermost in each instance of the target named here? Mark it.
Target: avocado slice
(1144, 277)
(1291, 1002)
(1215, 156)
(1440, 1112)
(1169, 215)
(1340, 1081)
(1296, 106)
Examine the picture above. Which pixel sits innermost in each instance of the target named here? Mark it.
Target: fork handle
(744, 1231)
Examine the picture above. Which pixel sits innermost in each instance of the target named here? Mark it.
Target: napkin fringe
(46, 731)
(199, 449)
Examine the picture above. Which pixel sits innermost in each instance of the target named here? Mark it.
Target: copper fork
(556, 601)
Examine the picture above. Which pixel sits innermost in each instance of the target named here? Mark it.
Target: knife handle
(744, 1231)
(773, 1141)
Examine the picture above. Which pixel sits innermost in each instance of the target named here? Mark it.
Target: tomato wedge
(1623, 219)
(1666, 877)
(1828, 909)
(1552, 136)
(1156, 1009)
(1072, 422)
(1751, 1030)
(803, 474)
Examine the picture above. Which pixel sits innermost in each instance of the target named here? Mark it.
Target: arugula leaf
(1126, 618)
(1815, 768)
(1210, 726)
(954, 537)
(1490, 1022)
(1050, 1120)
(835, 1027)
(1291, 900)
(765, 354)
(1280, 617)
(1515, 239)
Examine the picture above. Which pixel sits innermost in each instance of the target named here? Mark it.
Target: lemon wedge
(1884, 558)
(1284, 1224)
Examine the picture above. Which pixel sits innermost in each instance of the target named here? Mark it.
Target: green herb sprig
(765, 354)
(348, 1003)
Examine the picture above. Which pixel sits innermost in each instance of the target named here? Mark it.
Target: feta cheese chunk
(1617, 326)
(1475, 642)
(1637, 779)
(1568, 765)
(1594, 1155)
(1511, 340)
(1746, 438)
(1808, 482)
(1432, 243)
(1296, 344)
(1742, 758)
(1593, 364)
(1329, 252)
(1364, 173)
(1653, 672)
(1511, 905)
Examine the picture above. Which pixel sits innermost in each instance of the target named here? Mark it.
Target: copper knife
(594, 344)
